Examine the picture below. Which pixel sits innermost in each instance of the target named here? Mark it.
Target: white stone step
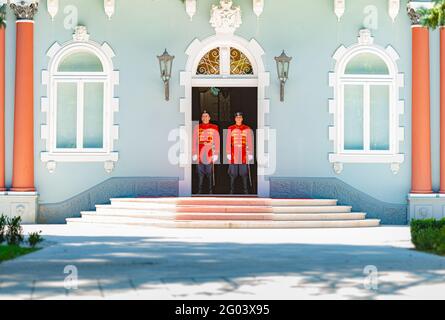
(231, 224)
(205, 201)
(229, 209)
(227, 216)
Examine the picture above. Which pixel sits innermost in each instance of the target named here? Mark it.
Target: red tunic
(206, 140)
(239, 143)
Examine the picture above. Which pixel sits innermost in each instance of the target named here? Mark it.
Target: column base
(21, 204)
(421, 192)
(426, 206)
(22, 189)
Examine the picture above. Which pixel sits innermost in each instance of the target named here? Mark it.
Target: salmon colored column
(2, 108)
(421, 130)
(23, 165)
(442, 109)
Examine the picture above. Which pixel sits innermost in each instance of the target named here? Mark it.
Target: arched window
(366, 105)
(80, 103)
(225, 61)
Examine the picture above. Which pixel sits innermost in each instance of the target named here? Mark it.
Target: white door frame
(189, 79)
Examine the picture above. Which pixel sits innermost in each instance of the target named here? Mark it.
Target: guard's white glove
(195, 158)
(215, 158)
(229, 157)
(250, 157)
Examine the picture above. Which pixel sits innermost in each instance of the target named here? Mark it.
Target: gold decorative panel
(239, 63)
(209, 64)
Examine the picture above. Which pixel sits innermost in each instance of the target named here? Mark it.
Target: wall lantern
(165, 63)
(283, 63)
(339, 8)
(53, 8)
(258, 7)
(190, 8)
(393, 9)
(109, 7)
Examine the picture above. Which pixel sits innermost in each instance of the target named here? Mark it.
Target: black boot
(245, 185)
(210, 185)
(232, 185)
(201, 183)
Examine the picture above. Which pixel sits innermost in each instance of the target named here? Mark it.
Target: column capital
(414, 9)
(413, 15)
(25, 10)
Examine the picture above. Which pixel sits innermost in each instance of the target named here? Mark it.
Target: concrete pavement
(112, 262)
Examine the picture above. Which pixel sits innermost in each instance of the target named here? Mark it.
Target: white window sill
(51, 158)
(338, 159)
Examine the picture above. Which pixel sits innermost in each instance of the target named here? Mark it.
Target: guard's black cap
(239, 114)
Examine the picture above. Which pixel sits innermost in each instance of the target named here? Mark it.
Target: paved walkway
(150, 263)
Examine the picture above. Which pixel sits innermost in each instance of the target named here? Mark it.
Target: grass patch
(429, 235)
(12, 252)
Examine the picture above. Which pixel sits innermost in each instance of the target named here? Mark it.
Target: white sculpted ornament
(225, 18)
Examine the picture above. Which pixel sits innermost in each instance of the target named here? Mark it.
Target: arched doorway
(230, 62)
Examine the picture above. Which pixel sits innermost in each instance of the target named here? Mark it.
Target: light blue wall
(141, 29)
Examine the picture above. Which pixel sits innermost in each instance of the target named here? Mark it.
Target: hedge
(429, 235)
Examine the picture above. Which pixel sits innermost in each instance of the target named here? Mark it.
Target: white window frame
(51, 77)
(338, 80)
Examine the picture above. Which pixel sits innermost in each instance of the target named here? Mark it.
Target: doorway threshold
(225, 196)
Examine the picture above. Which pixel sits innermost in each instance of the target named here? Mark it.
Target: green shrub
(429, 235)
(14, 233)
(3, 221)
(34, 238)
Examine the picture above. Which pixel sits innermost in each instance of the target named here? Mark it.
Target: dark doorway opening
(222, 103)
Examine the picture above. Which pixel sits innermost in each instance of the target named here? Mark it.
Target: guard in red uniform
(239, 152)
(205, 150)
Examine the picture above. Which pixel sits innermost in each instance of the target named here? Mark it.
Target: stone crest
(365, 37)
(81, 34)
(225, 17)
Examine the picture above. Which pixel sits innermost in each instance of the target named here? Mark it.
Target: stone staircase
(226, 213)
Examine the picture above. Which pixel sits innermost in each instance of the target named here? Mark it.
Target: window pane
(93, 115)
(367, 63)
(66, 115)
(239, 63)
(353, 117)
(81, 62)
(379, 117)
(209, 64)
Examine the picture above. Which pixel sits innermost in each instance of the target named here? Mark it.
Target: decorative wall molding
(394, 80)
(393, 9)
(52, 7)
(258, 7)
(109, 8)
(339, 8)
(80, 42)
(190, 8)
(225, 18)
